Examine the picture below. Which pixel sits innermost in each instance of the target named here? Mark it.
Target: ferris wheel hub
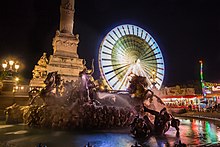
(138, 61)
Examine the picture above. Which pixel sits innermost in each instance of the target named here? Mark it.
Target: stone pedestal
(37, 83)
(65, 58)
(8, 85)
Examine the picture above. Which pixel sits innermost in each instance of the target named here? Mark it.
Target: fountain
(78, 105)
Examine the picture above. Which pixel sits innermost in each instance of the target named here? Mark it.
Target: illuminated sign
(215, 88)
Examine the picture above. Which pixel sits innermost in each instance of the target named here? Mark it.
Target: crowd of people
(195, 108)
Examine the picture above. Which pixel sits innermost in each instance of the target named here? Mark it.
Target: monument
(65, 59)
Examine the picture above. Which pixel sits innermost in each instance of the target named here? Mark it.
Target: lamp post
(17, 67)
(13, 66)
(10, 67)
(11, 63)
(4, 65)
(9, 75)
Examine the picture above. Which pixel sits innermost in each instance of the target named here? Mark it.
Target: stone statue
(87, 82)
(43, 60)
(163, 121)
(139, 128)
(143, 127)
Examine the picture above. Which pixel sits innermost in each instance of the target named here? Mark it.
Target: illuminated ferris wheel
(127, 50)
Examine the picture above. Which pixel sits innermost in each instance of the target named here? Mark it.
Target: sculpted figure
(142, 127)
(87, 83)
(43, 60)
(36, 74)
(52, 81)
(162, 121)
(138, 89)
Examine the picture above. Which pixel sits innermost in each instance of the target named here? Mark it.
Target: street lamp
(16, 67)
(10, 68)
(4, 65)
(16, 79)
(11, 62)
(9, 75)
(13, 66)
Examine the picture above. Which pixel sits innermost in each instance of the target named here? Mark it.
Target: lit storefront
(211, 94)
(176, 97)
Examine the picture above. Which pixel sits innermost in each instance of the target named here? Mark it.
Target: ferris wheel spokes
(126, 50)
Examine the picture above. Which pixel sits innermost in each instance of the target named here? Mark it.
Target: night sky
(185, 30)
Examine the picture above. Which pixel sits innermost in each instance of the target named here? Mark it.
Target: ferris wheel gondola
(127, 50)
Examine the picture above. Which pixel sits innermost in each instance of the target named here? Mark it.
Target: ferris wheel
(129, 50)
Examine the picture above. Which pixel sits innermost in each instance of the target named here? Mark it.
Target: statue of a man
(43, 60)
(87, 82)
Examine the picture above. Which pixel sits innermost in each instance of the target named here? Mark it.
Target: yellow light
(16, 79)
(4, 65)
(11, 62)
(101, 87)
(138, 61)
(153, 72)
(22, 87)
(17, 66)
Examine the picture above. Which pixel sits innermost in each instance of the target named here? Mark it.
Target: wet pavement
(192, 132)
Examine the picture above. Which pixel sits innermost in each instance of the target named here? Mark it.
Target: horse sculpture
(138, 89)
(143, 126)
(52, 82)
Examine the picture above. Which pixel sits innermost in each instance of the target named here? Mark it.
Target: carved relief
(68, 12)
(68, 6)
(66, 43)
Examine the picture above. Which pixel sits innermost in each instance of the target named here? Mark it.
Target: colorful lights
(201, 78)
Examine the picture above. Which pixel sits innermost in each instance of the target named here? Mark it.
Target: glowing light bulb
(11, 62)
(17, 67)
(4, 65)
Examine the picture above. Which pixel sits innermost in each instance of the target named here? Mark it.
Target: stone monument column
(65, 59)
(67, 16)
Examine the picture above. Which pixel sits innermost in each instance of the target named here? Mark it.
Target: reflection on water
(192, 132)
(198, 132)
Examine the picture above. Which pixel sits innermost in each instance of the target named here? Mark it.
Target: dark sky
(185, 30)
